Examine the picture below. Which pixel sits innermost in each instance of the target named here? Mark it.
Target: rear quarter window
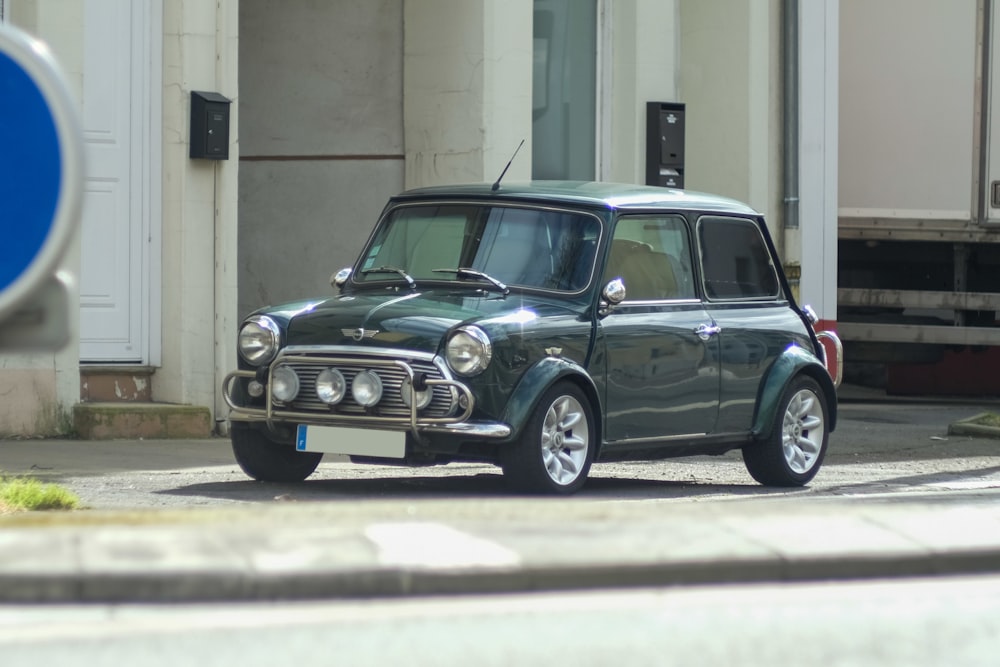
(735, 261)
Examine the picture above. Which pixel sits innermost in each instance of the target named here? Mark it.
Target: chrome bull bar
(454, 424)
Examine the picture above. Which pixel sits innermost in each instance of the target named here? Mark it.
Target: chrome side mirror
(612, 295)
(340, 277)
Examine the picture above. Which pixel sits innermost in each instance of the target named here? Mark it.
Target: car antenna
(496, 186)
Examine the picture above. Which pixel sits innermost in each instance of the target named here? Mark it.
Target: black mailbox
(209, 126)
(665, 144)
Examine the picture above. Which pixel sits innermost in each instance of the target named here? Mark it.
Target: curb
(200, 586)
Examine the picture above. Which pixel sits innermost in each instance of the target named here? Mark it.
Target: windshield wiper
(463, 272)
(392, 269)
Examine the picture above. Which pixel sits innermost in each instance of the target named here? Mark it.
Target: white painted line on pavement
(435, 545)
(962, 484)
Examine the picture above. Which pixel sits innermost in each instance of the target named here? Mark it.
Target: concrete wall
(321, 114)
(467, 90)
(200, 44)
(323, 124)
(730, 82)
(338, 104)
(644, 68)
(37, 391)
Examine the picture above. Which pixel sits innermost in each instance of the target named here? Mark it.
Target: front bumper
(450, 415)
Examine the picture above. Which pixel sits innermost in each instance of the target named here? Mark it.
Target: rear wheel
(267, 461)
(792, 455)
(556, 448)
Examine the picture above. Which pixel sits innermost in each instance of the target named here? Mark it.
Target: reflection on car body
(541, 327)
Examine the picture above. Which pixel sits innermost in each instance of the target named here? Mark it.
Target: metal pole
(790, 108)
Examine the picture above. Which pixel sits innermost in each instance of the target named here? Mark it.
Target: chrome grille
(392, 377)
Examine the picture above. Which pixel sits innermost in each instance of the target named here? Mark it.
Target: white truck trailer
(919, 192)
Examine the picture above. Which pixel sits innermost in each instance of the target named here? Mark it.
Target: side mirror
(340, 277)
(612, 295)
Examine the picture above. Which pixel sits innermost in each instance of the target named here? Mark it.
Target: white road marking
(970, 484)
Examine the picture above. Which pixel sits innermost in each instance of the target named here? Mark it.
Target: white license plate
(351, 441)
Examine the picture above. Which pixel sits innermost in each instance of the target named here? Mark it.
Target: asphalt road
(879, 448)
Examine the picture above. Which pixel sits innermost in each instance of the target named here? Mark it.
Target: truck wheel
(792, 455)
(556, 448)
(267, 461)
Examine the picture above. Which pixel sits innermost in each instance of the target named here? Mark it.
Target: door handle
(706, 331)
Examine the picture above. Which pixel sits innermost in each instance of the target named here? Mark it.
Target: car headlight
(367, 388)
(330, 386)
(259, 340)
(284, 384)
(469, 351)
(424, 395)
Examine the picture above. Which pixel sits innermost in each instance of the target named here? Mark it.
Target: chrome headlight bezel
(259, 340)
(468, 351)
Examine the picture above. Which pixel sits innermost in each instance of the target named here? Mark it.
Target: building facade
(335, 105)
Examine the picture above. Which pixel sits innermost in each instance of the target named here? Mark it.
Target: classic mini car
(541, 328)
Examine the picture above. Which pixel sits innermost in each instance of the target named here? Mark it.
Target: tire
(267, 461)
(554, 453)
(794, 452)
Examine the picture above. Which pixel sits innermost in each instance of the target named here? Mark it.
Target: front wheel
(793, 453)
(267, 461)
(556, 448)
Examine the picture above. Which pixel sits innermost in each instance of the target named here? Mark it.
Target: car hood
(416, 321)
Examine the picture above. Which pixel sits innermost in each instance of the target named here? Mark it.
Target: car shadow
(456, 487)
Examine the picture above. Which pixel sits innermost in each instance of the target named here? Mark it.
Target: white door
(113, 272)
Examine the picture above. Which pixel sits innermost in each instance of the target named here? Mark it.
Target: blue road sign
(41, 156)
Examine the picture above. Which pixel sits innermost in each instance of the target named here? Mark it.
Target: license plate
(351, 441)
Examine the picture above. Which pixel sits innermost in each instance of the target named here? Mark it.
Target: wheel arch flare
(794, 361)
(537, 380)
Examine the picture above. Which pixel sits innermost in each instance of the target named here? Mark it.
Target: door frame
(147, 155)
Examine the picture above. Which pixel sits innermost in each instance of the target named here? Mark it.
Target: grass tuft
(987, 419)
(22, 494)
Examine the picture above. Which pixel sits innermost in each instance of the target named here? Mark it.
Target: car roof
(601, 194)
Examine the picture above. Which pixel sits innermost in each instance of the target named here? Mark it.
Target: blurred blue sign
(41, 173)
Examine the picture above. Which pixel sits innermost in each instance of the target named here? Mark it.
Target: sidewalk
(383, 548)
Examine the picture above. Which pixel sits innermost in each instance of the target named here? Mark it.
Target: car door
(743, 297)
(662, 358)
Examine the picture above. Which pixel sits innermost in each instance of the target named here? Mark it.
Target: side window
(652, 256)
(735, 261)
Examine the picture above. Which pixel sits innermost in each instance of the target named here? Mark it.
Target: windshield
(517, 246)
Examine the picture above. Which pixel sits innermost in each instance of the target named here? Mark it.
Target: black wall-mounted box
(665, 144)
(209, 126)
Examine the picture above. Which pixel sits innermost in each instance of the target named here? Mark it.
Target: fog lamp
(367, 388)
(284, 384)
(407, 392)
(331, 386)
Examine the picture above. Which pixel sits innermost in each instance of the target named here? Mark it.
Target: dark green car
(541, 327)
